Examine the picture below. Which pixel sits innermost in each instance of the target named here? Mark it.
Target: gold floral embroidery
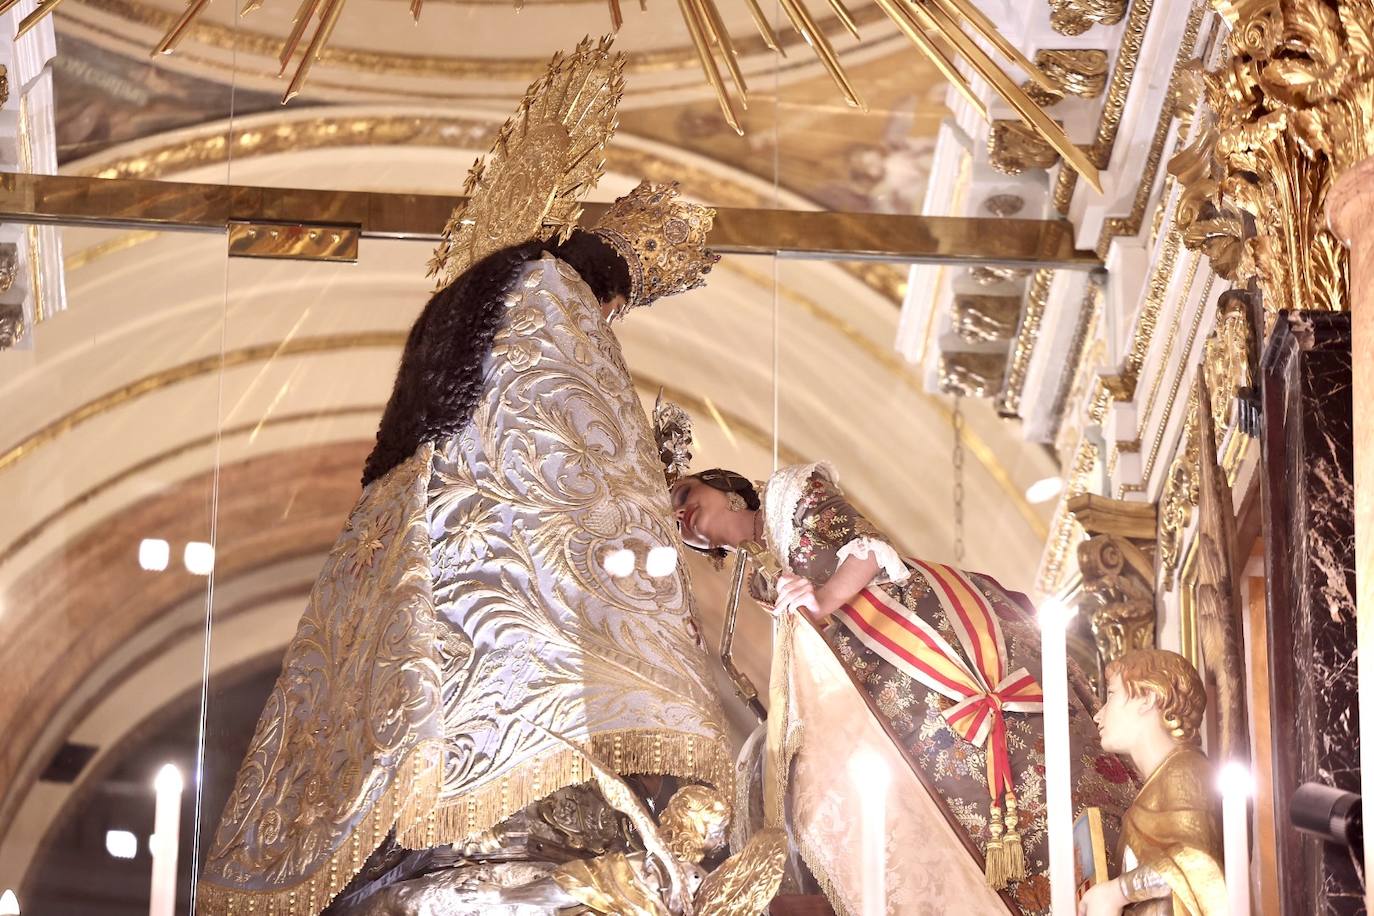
(521, 354)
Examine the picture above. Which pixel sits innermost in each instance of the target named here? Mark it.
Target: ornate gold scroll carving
(1070, 71)
(1013, 147)
(11, 325)
(1288, 111)
(1118, 571)
(980, 318)
(1074, 17)
(974, 375)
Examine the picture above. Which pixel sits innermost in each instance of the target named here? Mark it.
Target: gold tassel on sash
(1006, 859)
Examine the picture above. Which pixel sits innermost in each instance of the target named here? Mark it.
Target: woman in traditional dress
(947, 659)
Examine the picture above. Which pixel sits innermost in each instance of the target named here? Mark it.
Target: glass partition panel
(110, 438)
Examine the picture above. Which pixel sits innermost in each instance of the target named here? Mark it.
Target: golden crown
(662, 239)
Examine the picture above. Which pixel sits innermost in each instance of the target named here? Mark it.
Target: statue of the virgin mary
(466, 652)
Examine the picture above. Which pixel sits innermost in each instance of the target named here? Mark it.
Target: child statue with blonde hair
(1171, 835)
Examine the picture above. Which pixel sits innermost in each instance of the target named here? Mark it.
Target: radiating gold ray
(304, 14)
(806, 27)
(708, 63)
(963, 9)
(44, 9)
(720, 36)
(933, 53)
(328, 19)
(180, 27)
(934, 17)
(770, 38)
(617, 19)
(842, 13)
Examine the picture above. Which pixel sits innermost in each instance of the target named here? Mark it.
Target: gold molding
(1118, 87)
(30, 534)
(1131, 223)
(195, 368)
(225, 38)
(1008, 401)
(1157, 444)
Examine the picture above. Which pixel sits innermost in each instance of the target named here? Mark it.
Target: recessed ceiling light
(199, 558)
(121, 844)
(1044, 490)
(153, 554)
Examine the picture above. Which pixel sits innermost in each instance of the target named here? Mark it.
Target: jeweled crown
(662, 239)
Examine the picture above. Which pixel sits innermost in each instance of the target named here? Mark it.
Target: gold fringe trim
(832, 893)
(412, 804)
(626, 752)
(412, 794)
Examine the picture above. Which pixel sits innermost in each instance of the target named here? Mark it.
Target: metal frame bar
(176, 206)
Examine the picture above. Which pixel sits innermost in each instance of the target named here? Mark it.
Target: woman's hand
(1103, 899)
(797, 594)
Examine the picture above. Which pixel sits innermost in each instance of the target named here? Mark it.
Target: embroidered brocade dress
(813, 539)
(464, 623)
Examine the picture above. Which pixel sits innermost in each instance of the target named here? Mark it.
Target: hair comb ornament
(673, 433)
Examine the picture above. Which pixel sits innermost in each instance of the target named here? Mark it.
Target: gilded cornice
(186, 371)
(1122, 387)
(1118, 87)
(30, 534)
(1008, 402)
(517, 69)
(1157, 443)
(1131, 223)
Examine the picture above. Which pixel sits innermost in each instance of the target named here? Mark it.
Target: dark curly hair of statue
(440, 378)
(726, 481)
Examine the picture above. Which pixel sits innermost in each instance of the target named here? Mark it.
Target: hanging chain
(957, 418)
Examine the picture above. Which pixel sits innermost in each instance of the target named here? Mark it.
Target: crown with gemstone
(662, 239)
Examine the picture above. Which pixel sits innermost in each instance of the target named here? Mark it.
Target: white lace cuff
(891, 567)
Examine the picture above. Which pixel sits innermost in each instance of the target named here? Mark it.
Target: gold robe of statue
(466, 617)
(1174, 829)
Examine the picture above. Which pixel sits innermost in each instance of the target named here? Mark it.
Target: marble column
(1350, 212)
(1309, 527)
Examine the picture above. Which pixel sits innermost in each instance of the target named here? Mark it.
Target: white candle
(166, 827)
(1054, 678)
(1236, 785)
(870, 774)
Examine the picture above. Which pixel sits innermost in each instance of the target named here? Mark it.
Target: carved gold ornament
(975, 375)
(1288, 112)
(981, 318)
(12, 326)
(673, 433)
(1013, 148)
(1080, 72)
(1118, 585)
(544, 159)
(1074, 17)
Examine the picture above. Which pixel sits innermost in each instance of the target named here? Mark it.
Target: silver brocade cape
(467, 598)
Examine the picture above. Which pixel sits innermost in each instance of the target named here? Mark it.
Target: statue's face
(1123, 719)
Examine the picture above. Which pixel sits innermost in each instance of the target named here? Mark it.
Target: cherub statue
(1171, 835)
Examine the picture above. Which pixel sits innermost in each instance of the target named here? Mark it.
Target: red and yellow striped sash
(976, 679)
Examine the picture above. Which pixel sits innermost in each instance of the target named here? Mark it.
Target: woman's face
(702, 514)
